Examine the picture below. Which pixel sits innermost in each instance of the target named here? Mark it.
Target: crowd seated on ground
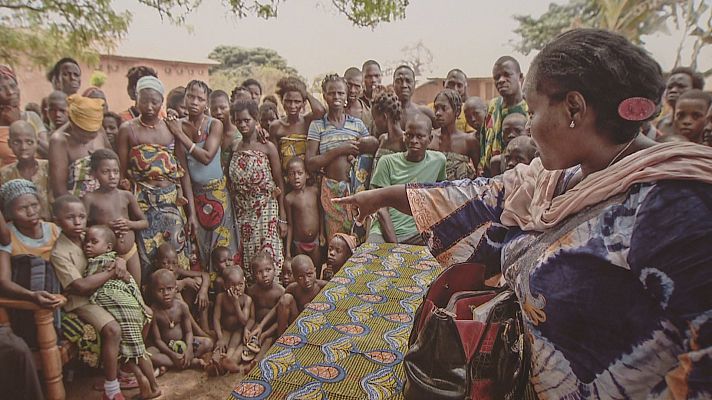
(190, 230)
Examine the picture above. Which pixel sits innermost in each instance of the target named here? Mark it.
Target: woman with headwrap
(71, 147)
(30, 236)
(149, 160)
(10, 112)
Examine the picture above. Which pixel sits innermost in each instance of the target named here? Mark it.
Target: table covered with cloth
(350, 341)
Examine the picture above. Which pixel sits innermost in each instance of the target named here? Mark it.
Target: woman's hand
(45, 299)
(361, 205)
(174, 124)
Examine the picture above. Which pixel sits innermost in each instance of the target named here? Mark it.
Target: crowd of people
(191, 229)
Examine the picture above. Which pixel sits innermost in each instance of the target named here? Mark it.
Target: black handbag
(467, 341)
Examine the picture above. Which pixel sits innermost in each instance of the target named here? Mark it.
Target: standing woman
(256, 185)
(149, 160)
(201, 136)
(461, 150)
(71, 147)
(10, 112)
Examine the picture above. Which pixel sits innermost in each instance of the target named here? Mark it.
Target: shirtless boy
(115, 208)
(265, 294)
(302, 205)
(299, 293)
(233, 311)
(174, 345)
(192, 285)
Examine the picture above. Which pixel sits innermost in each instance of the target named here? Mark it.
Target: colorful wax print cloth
(80, 180)
(85, 337)
(337, 219)
(122, 300)
(491, 141)
(256, 209)
(459, 166)
(628, 279)
(293, 145)
(153, 162)
(350, 341)
(166, 221)
(213, 208)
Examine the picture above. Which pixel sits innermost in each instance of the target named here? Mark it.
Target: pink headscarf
(529, 189)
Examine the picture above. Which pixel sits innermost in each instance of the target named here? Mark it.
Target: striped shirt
(330, 136)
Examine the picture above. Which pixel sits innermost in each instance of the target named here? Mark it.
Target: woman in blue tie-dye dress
(605, 238)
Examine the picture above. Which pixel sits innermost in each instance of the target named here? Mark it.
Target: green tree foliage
(239, 63)
(536, 32)
(44, 30)
(630, 18)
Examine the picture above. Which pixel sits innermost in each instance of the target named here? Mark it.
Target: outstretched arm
(369, 201)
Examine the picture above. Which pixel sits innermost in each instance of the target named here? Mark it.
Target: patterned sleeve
(314, 131)
(670, 254)
(459, 220)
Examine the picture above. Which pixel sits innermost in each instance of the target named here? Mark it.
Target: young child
(286, 277)
(341, 247)
(23, 143)
(690, 111)
(174, 345)
(220, 261)
(475, 110)
(111, 124)
(57, 109)
(521, 150)
(116, 208)
(234, 312)
(513, 125)
(298, 293)
(304, 227)
(265, 295)
(191, 285)
(267, 114)
(122, 298)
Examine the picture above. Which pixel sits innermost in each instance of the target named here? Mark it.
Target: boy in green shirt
(416, 165)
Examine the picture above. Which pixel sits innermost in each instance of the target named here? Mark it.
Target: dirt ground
(184, 385)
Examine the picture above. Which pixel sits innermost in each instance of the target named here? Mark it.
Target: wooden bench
(50, 357)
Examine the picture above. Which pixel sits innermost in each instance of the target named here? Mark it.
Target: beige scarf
(529, 189)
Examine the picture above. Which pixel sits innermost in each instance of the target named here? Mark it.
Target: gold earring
(572, 125)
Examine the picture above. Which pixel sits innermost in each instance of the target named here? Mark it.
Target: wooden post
(51, 358)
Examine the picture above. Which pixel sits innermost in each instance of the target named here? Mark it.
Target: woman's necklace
(145, 125)
(199, 125)
(621, 152)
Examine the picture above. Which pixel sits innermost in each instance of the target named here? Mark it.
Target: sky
(315, 39)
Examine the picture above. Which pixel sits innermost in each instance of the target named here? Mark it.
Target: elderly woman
(10, 112)
(150, 161)
(71, 147)
(605, 238)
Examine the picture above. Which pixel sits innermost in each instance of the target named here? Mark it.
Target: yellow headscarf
(85, 112)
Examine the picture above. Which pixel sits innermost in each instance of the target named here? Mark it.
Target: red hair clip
(636, 109)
